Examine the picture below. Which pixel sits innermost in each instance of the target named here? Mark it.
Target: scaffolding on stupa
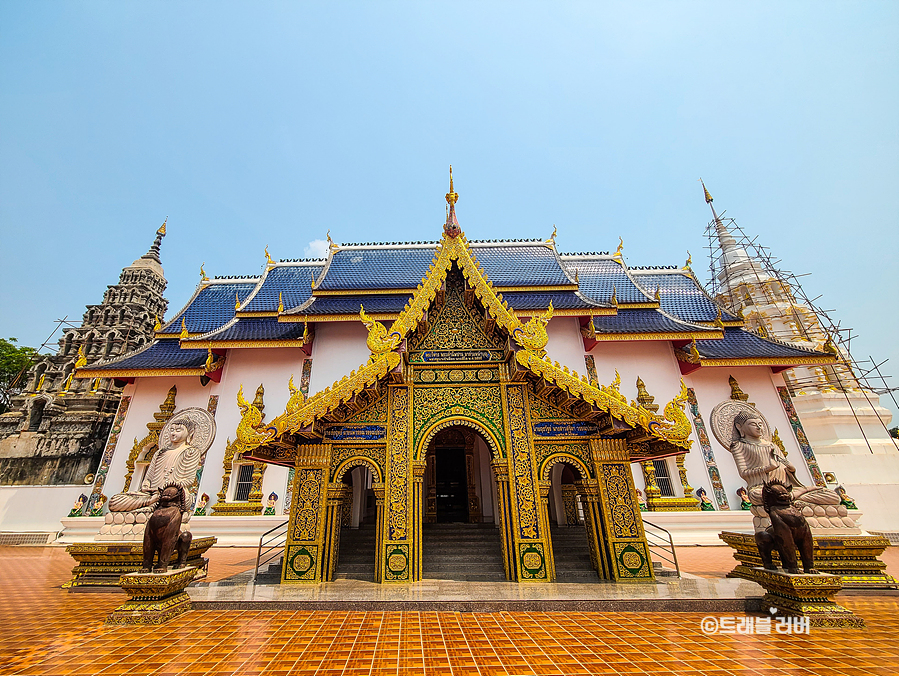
(796, 317)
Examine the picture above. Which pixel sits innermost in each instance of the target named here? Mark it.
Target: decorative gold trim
(240, 314)
(639, 306)
(379, 316)
(361, 292)
(205, 344)
(557, 287)
(753, 361)
(572, 312)
(86, 373)
(659, 336)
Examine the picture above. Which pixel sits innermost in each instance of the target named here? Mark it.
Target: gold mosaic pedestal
(803, 595)
(101, 564)
(852, 557)
(155, 597)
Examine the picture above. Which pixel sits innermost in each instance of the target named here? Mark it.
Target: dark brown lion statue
(162, 533)
(788, 531)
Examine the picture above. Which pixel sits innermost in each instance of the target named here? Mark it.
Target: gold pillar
(504, 517)
(624, 541)
(337, 496)
(545, 491)
(378, 489)
(533, 561)
(589, 492)
(418, 477)
(308, 550)
(399, 534)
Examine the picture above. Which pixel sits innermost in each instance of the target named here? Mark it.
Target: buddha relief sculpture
(182, 444)
(745, 432)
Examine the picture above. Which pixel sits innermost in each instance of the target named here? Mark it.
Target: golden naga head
(378, 341)
(532, 336)
(296, 400)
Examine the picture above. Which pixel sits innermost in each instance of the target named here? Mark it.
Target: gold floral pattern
(398, 465)
(522, 465)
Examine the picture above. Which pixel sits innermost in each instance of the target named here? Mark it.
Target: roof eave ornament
(269, 263)
(451, 227)
(618, 255)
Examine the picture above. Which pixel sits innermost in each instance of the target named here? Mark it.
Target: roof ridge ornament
(686, 267)
(552, 237)
(618, 255)
(269, 263)
(451, 227)
(203, 277)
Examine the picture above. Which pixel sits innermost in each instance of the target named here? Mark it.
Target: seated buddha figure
(759, 460)
(175, 462)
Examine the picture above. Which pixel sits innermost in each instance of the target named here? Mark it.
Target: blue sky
(254, 124)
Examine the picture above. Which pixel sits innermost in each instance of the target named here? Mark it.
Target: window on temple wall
(37, 415)
(244, 483)
(663, 478)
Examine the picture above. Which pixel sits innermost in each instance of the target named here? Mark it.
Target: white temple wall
(36, 508)
(565, 344)
(250, 367)
(339, 348)
(651, 360)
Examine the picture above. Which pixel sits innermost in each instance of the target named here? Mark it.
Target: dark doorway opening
(451, 484)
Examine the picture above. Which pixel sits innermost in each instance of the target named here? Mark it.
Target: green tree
(14, 361)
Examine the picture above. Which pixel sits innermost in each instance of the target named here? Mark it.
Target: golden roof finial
(210, 360)
(184, 333)
(236, 301)
(311, 280)
(552, 237)
(694, 351)
(305, 331)
(617, 253)
(268, 259)
(708, 197)
(451, 197)
(658, 293)
(280, 302)
(644, 398)
(161, 230)
(614, 299)
(719, 322)
(203, 277)
(576, 278)
(689, 261)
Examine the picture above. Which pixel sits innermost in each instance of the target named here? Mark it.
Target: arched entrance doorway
(356, 552)
(461, 537)
(570, 540)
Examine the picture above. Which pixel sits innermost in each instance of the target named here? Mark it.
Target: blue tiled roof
(160, 354)
(399, 268)
(535, 265)
(598, 276)
(681, 296)
(349, 305)
(740, 344)
(255, 328)
(404, 267)
(293, 282)
(561, 300)
(644, 321)
(210, 308)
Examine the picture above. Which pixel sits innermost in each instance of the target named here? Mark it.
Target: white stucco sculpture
(743, 430)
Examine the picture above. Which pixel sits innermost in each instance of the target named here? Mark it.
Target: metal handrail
(282, 537)
(662, 544)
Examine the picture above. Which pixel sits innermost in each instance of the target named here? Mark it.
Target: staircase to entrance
(468, 552)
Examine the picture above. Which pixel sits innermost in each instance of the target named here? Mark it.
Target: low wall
(36, 508)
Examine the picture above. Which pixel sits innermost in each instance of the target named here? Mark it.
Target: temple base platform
(803, 595)
(101, 564)
(155, 597)
(853, 557)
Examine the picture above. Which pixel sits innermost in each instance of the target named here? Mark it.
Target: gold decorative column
(651, 489)
(693, 502)
(589, 492)
(337, 496)
(504, 516)
(624, 541)
(569, 502)
(398, 543)
(307, 552)
(418, 479)
(378, 489)
(532, 558)
(655, 502)
(545, 492)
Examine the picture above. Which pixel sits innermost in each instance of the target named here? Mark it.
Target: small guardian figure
(162, 534)
(270, 507)
(705, 503)
(788, 531)
(78, 506)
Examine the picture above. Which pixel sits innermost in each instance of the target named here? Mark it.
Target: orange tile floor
(52, 631)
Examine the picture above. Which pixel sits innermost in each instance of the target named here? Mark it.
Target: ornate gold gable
(427, 323)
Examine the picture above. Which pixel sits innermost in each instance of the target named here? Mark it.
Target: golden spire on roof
(280, 302)
(203, 277)
(614, 299)
(617, 253)
(451, 227)
(268, 259)
(658, 293)
(161, 230)
(184, 333)
(689, 261)
(236, 300)
(552, 237)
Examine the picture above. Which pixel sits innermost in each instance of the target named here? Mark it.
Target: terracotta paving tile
(49, 631)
